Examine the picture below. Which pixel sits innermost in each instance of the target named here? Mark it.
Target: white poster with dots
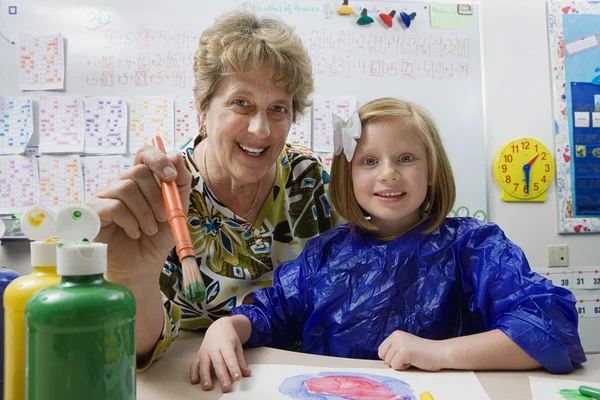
(98, 171)
(151, 116)
(186, 120)
(16, 124)
(301, 130)
(61, 124)
(19, 184)
(324, 106)
(61, 180)
(42, 62)
(105, 125)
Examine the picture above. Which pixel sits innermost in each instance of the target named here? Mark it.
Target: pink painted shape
(349, 387)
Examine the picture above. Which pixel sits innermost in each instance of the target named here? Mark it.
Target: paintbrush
(193, 287)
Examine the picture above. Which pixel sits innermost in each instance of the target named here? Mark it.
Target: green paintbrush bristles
(195, 292)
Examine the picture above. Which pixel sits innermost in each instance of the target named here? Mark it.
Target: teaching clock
(524, 169)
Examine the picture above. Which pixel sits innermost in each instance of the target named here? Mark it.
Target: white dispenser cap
(38, 223)
(81, 259)
(77, 223)
(2, 228)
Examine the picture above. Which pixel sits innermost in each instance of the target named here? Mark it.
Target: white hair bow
(346, 134)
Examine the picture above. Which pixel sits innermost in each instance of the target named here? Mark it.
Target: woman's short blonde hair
(441, 193)
(242, 42)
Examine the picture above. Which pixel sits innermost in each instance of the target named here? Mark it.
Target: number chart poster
(575, 60)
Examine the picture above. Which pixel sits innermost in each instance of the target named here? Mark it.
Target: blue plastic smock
(348, 291)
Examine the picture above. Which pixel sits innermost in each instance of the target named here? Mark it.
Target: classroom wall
(518, 103)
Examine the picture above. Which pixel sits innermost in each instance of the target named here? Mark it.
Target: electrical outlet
(558, 256)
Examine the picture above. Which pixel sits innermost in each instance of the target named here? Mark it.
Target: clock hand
(530, 163)
(527, 169)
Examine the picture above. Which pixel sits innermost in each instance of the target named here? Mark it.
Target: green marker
(589, 391)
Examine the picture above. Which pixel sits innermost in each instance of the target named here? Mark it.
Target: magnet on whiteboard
(345, 9)
(388, 19)
(364, 18)
(465, 9)
(407, 18)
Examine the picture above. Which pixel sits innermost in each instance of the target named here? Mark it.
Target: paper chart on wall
(61, 124)
(300, 131)
(324, 106)
(42, 62)
(16, 124)
(19, 183)
(105, 125)
(61, 180)
(151, 116)
(320, 383)
(327, 159)
(557, 389)
(186, 120)
(98, 171)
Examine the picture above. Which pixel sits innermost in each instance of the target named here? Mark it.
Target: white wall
(518, 102)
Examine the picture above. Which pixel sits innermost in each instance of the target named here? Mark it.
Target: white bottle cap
(2, 228)
(81, 259)
(77, 223)
(37, 223)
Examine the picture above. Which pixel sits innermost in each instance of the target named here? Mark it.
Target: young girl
(401, 281)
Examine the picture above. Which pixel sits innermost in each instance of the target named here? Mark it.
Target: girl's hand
(221, 351)
(401, 350)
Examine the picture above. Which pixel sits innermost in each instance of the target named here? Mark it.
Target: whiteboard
(145, 48)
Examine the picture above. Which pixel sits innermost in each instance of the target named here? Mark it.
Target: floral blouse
(235, 257)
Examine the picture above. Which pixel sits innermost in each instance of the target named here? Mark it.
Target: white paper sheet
(556, 389)
(98, 171)
(300, 382)
(61, 124)
(19, 183)
(186, 120)
(42, 62)
(61, 180)
(105, 125)
(151, 116)
(300, 132)
(16, 124)
(327, 159)
(342, 106)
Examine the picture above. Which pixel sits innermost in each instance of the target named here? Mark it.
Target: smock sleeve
(502, 290)
(278, 313)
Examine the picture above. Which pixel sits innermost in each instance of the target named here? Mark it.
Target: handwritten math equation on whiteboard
(162, 58)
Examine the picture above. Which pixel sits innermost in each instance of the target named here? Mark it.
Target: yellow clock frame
(521, 159)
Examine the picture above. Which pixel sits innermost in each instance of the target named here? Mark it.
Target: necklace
(210, 185)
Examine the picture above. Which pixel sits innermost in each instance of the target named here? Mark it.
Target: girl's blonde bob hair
(441, 193)
(243, 42)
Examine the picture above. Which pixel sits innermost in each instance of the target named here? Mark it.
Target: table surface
(168, 377)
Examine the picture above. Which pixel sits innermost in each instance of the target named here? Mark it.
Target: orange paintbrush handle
(177, 220)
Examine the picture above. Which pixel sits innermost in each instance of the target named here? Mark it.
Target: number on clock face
(525, 168)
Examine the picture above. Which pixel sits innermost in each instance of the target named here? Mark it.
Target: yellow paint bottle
(37, 223)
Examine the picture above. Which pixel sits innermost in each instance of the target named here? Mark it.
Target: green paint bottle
(80, 333)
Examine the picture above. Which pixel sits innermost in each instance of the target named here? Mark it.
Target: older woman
(254, 201)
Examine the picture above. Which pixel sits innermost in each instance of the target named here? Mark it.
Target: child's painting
(319, 383)
(558, 389)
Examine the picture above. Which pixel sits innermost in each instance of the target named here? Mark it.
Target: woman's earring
(202, 130)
